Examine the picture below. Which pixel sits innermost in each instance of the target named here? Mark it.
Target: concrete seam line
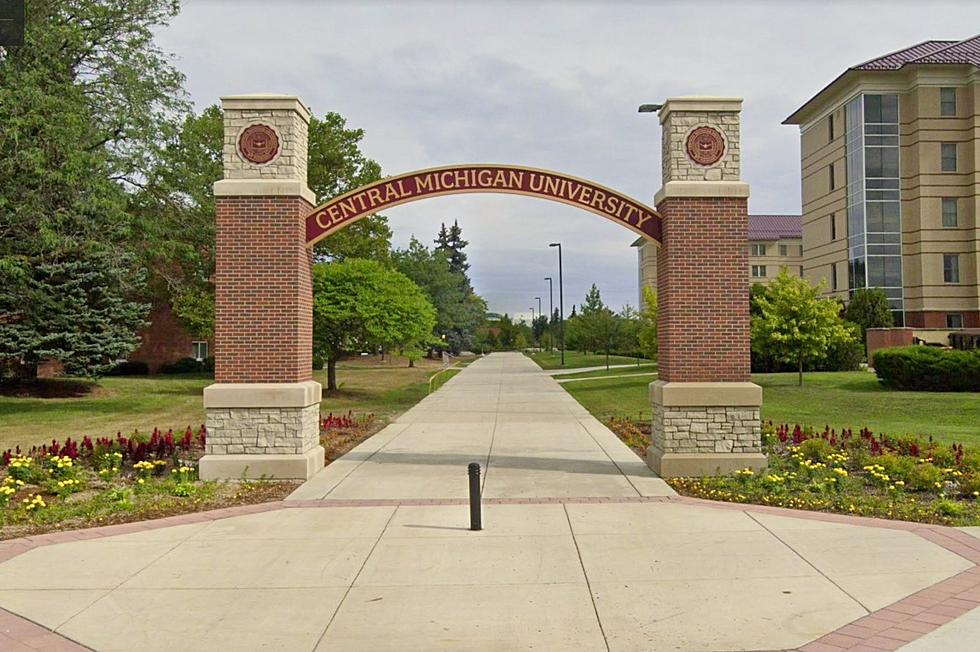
(585, 574)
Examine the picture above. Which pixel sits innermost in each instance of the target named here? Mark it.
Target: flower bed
(75, 484)
(903, 478)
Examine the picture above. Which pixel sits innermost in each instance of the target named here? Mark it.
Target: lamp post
(561, 305)
(540, 314)
(551, 311)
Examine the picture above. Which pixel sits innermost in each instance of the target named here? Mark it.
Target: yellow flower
(141, 481)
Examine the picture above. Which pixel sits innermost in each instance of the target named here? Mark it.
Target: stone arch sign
(460, 179)
(263, 409)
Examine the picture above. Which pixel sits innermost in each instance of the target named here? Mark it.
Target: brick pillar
(263, 412)
(705, 409)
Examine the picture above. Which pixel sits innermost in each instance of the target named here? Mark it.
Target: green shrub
(925, 368)
(816, 450)
(187, 366)
(130, 368)
(925, 477)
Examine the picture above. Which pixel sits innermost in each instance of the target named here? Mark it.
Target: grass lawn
(113, 404)
(643, 368)
(576, 359)
(842, 399)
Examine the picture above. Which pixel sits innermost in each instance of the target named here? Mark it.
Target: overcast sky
(545, 84)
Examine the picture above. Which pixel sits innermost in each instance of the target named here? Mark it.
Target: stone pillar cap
(699, 103)
(266, 102)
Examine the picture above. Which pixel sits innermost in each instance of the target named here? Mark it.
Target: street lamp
(551, 311)
(561, 305)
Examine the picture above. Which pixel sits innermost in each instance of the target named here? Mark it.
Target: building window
(758, 250)
(947, 102)
(830, 127)
(949, 157)
(833, 227)
(801, 271)
(833, 276)
(199, 350)
(830, 171)
(950, 218)
(951, 268)
(758, 271)
(954, 320)
(783, 251)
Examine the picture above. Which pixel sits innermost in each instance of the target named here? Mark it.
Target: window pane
(889, 108)
(951, 268)
(949, 212)
(783, 250)
(872, 108)
(954, 320)
(947, 101)
(949, 157)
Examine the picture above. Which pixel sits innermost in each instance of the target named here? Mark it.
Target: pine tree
(450, 242)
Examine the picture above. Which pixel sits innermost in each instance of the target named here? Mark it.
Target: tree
(460, 312)
(868, 308)
(450, 241)
(539, 325)
(84, 106)
(337, 165)
(361, 304)
(629, 340)
(648, 324)
(794, 324)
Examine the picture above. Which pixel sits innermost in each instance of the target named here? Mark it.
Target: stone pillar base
(705, 428)
(254, 467)
(262, 429)
(686, 465)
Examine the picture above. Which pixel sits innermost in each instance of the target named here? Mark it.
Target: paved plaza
(583, 549)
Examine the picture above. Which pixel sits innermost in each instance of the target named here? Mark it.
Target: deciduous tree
(361, 304)
(794, 324)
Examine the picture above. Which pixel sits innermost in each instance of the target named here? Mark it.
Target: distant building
(775, 243)
(890, 182)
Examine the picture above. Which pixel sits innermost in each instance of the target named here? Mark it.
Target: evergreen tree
(868, 308)
(450, 241)
(84, 105)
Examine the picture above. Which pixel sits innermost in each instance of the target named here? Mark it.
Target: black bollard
(476, 520)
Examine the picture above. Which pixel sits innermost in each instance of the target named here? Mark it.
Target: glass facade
(874, 212)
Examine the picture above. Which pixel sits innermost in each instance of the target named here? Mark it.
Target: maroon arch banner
(459, 179)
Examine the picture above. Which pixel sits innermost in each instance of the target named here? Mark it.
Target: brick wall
(264, 301)
(164, 340)
(880, 338)
(936, 319)
(703, 290)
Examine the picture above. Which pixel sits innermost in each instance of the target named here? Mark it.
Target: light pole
(532, 323)
(540, 314)
(551, 311)
(561, 305)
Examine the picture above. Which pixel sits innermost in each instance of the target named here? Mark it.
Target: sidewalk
(582, 549)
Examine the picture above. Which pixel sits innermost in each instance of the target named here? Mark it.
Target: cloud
(545, 84)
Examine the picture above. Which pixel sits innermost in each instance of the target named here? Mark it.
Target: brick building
(165, 340)
(775, 243)
(890, 185)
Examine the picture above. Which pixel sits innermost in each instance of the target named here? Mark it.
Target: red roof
(965, 52)
(775, 227)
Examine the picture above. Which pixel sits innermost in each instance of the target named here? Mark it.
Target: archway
(605, 202)
(263, 410)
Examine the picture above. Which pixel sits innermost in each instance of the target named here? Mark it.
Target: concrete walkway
(583, 549)
(531, 437)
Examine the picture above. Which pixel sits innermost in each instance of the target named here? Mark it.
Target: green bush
(129, 368)
(187, 366)
(925, 368)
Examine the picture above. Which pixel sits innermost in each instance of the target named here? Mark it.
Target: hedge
(926, 368)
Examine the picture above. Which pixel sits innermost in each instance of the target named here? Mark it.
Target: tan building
(775, 243)
(890, 182)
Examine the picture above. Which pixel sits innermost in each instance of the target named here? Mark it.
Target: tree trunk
(801, 370)
(411, 363)
(331, 374)
(607, 359)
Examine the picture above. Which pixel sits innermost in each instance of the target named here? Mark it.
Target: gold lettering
(374, 196)
(319, 220)
(539, 187)
(516, 179)
(347, 207)
(483, 178)
(391, 192)
(551, 186)
(643, 217)
(499, 180)
(463, 179)
(585, 195)
(424, 183)
(611, 206)
(401, 187)
(443, 178)
(597, 198)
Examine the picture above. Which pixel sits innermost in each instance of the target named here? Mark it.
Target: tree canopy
(794, 324)
(361, 305)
